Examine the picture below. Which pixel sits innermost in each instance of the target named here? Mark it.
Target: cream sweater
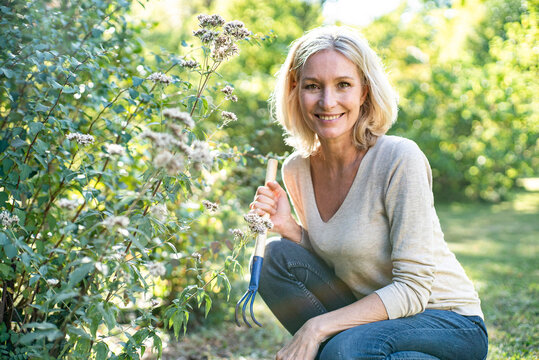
(386, 236)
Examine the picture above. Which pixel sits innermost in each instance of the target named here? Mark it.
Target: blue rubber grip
(255, 272)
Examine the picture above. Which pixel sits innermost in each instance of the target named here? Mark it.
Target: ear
(364, 94)
(293, 85)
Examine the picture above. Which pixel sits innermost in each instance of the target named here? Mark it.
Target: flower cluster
(177, 114)
(82, 139)
(160, 212)
(68, 204)
(115, 149)
(210, 206)
(159, 77)
(121, 222)
(201, 154)
(236, 29)
(257, 223)
(229, 116)
(228, 90)
(222, 43)
(190, 64)
(162, 140)
(156, 269)
(7, 219)
(172, 163)
(237, 233)
(210, 21)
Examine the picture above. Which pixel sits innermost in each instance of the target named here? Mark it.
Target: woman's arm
(305, 343)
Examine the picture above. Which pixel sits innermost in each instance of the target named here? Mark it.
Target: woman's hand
(272, 199)
(304, 344)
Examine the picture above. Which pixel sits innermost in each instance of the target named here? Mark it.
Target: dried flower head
(229, 116)
(173, 164)
(159, 77)
(8, 219)
(190, 64)
(236, 29)
(206, 36)
(177, 114)
(201, 153)
(156, 269)
(112, 221)
(227, 90)
(224, 48)
(67, 204)
(210, 21)
(196, 255)
(160, 140)
(210, 206)
(257, 223)
(82, 139)
(160, 212)
(237, 233)
(115, 149)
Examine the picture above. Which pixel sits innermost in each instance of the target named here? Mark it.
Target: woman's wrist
(292, 231)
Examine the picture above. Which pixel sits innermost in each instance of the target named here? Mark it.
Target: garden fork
(258, 259)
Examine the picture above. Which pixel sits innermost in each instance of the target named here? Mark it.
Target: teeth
(332, 117)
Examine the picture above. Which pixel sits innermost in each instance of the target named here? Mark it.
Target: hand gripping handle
(271, 173)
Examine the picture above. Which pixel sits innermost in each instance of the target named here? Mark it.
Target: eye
(344, 84)
(310, 87)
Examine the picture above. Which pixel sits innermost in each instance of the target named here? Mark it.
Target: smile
(329, 117)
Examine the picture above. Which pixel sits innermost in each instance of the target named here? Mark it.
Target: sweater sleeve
(409, 208)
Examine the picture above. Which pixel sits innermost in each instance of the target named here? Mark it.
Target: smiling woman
(365, 272)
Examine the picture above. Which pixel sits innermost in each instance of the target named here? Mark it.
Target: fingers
(264, 201)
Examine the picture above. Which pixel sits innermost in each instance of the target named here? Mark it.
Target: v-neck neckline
(350, 190)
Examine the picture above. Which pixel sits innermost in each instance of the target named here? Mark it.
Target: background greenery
(466, 73)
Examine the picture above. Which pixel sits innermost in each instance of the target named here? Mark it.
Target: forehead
(329, 64)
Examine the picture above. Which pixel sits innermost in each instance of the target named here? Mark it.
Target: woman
(366, 273)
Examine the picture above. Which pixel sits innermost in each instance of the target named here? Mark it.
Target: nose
(328, 99)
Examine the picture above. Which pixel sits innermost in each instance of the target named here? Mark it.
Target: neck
(338, 156)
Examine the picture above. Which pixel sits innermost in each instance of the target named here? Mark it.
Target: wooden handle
(271, 174)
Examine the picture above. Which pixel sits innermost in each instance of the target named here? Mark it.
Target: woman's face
(330, 94)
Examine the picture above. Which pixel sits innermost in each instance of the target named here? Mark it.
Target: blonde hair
(377, 113)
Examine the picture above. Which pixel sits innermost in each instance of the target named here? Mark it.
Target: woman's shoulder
(294, 162)
(397, 147)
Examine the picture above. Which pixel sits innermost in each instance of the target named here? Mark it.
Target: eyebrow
(338, 78)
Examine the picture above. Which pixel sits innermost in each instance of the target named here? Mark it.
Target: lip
(329, 117)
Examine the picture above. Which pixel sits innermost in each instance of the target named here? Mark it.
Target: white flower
(160, 212)
(229, 116)
(102, 268)
(201, 154)
(223, 48)
(177, 114)
(227, 90)
(82, 139)
(160, 77)
(236, 29)
(210, 206)
(237, 233)
(172, 163)
(210, 21)
(52, 282)
(120, 222)
(257, 223)
(190, 64)
(8, 219)
(115, 149)
(156, 269)
(67, 204)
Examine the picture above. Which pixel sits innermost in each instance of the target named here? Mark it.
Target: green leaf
(79, 273)
(40, 326)
(137, 81)
(35, 127)
(6, 271)
(133, 93)
(108, 314)
(101, 351)
(200, 296)
(9, 74)
(10, 250)
(207, 306)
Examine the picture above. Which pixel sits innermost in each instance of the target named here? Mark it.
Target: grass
(497, 245)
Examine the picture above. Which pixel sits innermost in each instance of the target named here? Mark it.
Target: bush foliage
(106, 180)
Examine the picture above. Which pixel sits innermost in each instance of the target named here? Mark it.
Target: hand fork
(258, 258)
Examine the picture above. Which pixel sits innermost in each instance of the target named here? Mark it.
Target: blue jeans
(297, 285)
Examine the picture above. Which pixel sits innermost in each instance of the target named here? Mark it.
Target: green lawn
(497, 245)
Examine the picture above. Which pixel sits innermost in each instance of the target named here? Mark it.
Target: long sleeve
(409, 208)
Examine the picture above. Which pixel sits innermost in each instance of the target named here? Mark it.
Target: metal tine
(252, 312)
(239, 303)
(245, 306)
